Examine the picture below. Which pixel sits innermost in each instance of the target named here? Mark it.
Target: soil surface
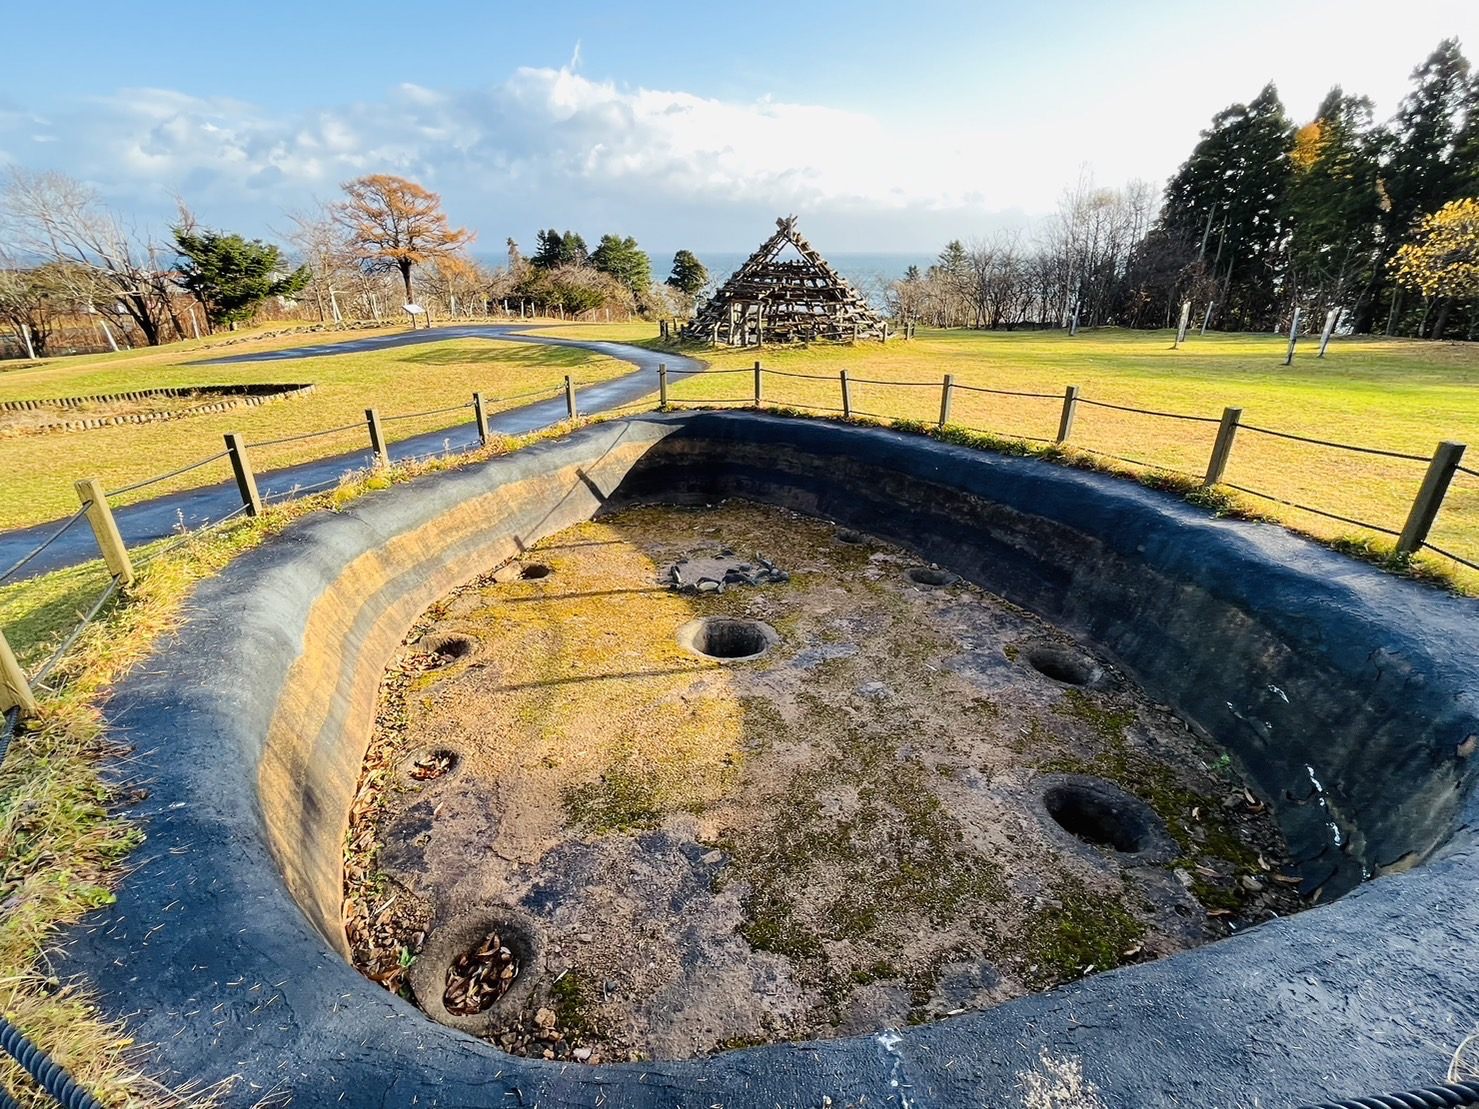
(914, 800)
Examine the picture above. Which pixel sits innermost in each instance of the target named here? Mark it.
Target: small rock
(582, 1055)
(584, 937)
(708, 585)
(874, 689)
(1184, 877)
(545, 1018)
(548, 1054)
(712, 858)
(1250, 883)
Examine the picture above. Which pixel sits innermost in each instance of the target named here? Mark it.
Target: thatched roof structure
(770, 299)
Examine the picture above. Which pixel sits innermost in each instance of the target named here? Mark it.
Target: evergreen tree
(230, 275)
(1421, 169)
(1225, 205)
(689, 275)
(1334, 203)
(552, 249)
(624, 260)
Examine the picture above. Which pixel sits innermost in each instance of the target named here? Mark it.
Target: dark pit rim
(453, 646)
(931, 577)
(752, 638)
(1096, 818)
(445, 941)
(411, 764)
(1063, 665)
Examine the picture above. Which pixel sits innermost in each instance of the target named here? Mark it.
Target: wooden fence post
(759, 389)
(246, 481)
(1222, 446)
(15, 690)
(570, 409)
(945, 389)
(377, 437)
(846, 396)
(1070, 409)
(662, 384)
(480, 417)
(1430, 496)
(105, 530)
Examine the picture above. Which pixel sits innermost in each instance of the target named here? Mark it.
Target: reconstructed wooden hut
(772, 298)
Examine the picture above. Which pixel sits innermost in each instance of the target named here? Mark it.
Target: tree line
(68, 262)
(1379, 220)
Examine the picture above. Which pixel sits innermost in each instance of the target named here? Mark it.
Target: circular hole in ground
(929, 575)
(479, 976)
(428, 766)
(726, 638)
(847, 535)
(1099, 814)
(444, 650)
(1063, 665)
(534, 572)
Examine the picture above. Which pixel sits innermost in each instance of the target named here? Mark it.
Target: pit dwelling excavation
(765, 760)
(680, 780)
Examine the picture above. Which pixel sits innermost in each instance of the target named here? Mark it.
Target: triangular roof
(785, 299)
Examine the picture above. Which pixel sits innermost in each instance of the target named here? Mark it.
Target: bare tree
(325, 249)
(51, 216)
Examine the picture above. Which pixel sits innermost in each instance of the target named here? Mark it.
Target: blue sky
(884, 126)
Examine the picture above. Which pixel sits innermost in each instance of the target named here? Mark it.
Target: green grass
(1392, 394)
(37, 472)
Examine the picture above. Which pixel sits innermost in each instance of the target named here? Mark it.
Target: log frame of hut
(799, 299)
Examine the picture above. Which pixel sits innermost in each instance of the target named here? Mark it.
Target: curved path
(161, 517)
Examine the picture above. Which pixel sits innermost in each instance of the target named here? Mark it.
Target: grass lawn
(1393, 394)
(37, 471)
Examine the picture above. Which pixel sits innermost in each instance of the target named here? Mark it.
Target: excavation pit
(1099, 813)
(1336, 702)
(759, 853)
(444, 649)
(535, 571)
(932, 577)
(1063, 665)
(726, 639)
(430, 765)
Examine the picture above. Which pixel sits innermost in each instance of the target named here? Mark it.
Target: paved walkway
(154, 519)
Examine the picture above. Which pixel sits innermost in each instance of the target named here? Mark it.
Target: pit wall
(1307, 667)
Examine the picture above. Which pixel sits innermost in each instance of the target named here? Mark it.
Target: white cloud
(542, 146)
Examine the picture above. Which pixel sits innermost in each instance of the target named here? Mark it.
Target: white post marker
(1185, 319)
(1332, 321)
(1293, 337)
(413, 310)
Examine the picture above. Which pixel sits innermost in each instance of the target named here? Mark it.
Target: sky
(883, 126)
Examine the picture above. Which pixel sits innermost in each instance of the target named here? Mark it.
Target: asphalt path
(146, 521)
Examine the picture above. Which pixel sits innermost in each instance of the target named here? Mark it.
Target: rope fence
(1336, 446)
(1442, 466)
(165, 477)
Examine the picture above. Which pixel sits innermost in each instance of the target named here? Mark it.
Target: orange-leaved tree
(394, 224)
